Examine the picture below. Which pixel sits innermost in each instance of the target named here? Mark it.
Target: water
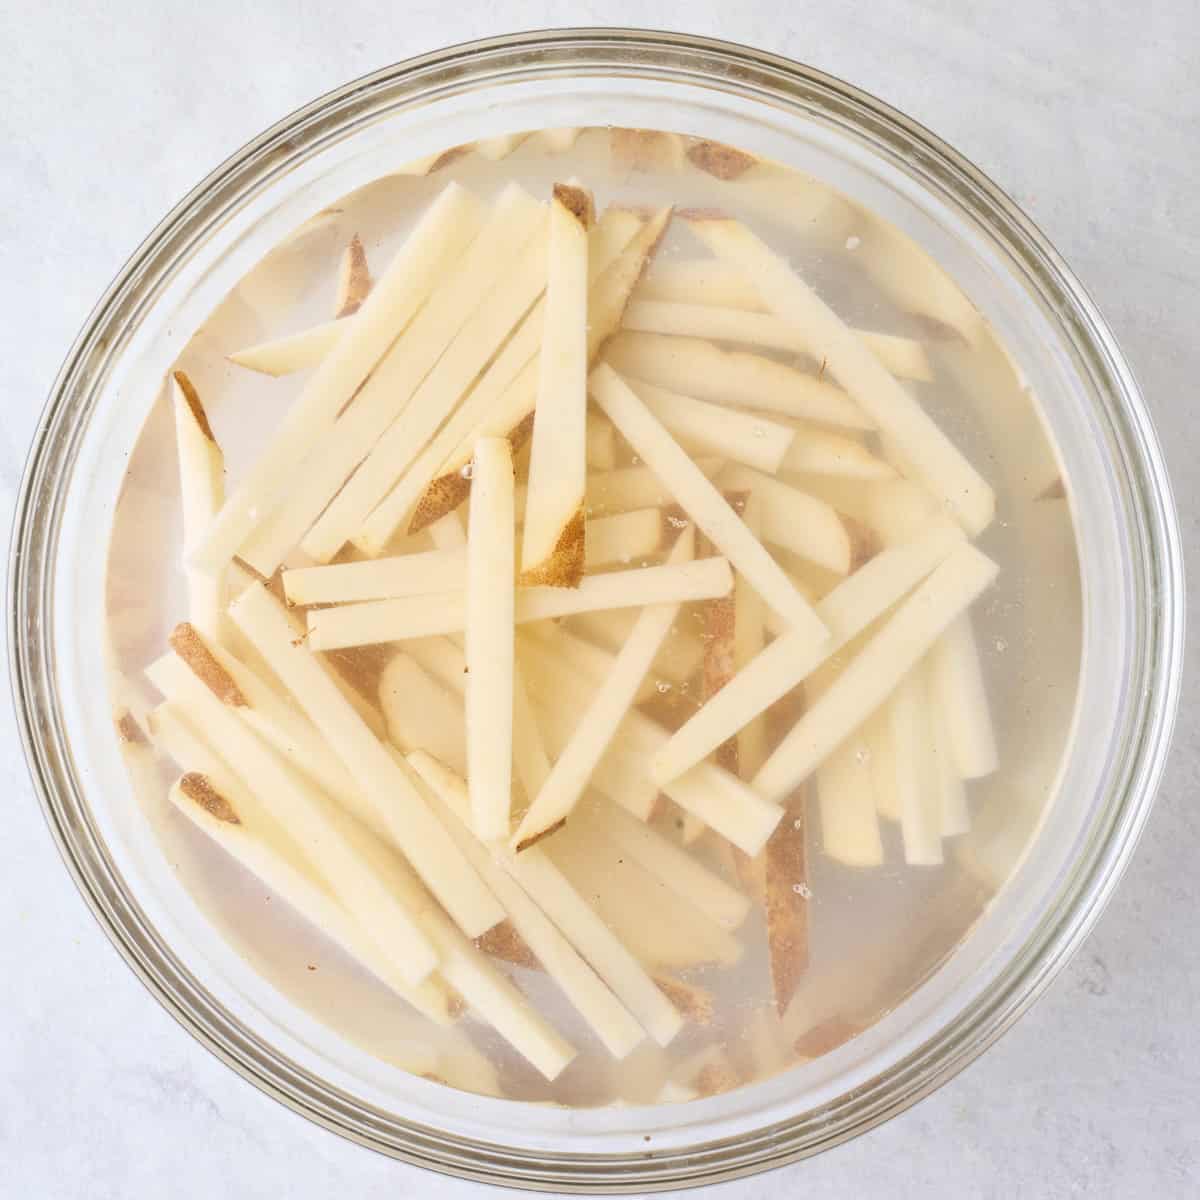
(872, 933)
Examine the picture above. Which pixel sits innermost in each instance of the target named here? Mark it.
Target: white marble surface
(1086, 110)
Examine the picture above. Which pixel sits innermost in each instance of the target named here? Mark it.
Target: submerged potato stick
(491, 569)
(552, 549)
(701, 501)
(292, 352)
(444, 229)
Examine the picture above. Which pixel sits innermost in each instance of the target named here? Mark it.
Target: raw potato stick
(530, 761)
(939, 464)
(601, 444)
(406, 387)
(955, 816)
(498, 403)
(577, 762)
(375, 579)
(510, 264)
(447, 533)
(490, 606)
(694, 367)
(677, 869)
(823, 452)
(445, 228)
(681, 653)
(202, 491)
(552, 549)
(624, 537)
(959, 692)
(876, 670)
(292, 352)
(421, 714)
(500, 146)
(749, 640)
(877, 733)
(353, 281)
(216, 801)
(297, 808)
(628, 488)
(712, 429)
(702, 502)
(423, 616)
(607, 1016)
(794, 520)
(387, 789)
(847, 610)
(917, 789)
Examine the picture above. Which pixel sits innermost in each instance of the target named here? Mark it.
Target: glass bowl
(1132, 597)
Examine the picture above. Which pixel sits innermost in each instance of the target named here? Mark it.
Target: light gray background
(1088, 113)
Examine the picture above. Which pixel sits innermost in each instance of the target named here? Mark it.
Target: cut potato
(749, 641)
(577, 762)
(607, 1016)
(877, 735)
(939, 464)
(295, 806)
(214, 799)
(681, 653)
(412, 387)
(786, 901)
(500, 146)
(711, 429)
(959, 693)
(702, 502)
(694, 367)
(631, 487)
(421, 616)
(421, 714)
(823, 452)
(955, 816)
(202, 491)
(917, 786)
(491, 567)
(793, 519)
(624, 537)
(498, 404)
(353, 281)
(293, 352)
(601, 444)
(559, 141)
(787, 661)
(446, 227)
(873, 674)
(530, 760)
(552, 551)
(417, 574)
(388, 791)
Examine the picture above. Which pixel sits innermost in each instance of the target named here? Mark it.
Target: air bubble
(802, 889)
(662, 687)
(862, 755)
(1001, 645)
(853, 242)
(467, 470)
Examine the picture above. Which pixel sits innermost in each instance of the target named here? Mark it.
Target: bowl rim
(1026, 976)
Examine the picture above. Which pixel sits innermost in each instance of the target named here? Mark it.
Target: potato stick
(877, 733)
(749, 640)
(262, 847)
(515, 268)
(374, 579)
(559, 141)
(954, 815)
(730, 807)
(412, 386)
(940, 465)
(785, 663)
(646, 150)
(624, 537)
(712, 429)
(694, 1004)
(447, 533)
(552, 547)
(443, 660)
(353, 280)
(419, 616)
(491, 568)
(785, 900)
(706, 320)
(294, 805)
(702, 502)
(500, 146)
(916, 778)
(601, 444)
(678, 659)
(677, 869)
(655, 924)
(293, 352)
(694, 367)
(412, 826)
(442, 232)
(530, 760)
(960, 694)
(608, 1017)
(825, 453)
(793, 519)
(421, 714)
(616, 695)
(202, 490)
(849, 821)
(718, 665)
(876, 670)
(498, 404)
(550, 889)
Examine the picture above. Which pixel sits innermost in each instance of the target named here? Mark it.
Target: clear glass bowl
(1132, 596)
